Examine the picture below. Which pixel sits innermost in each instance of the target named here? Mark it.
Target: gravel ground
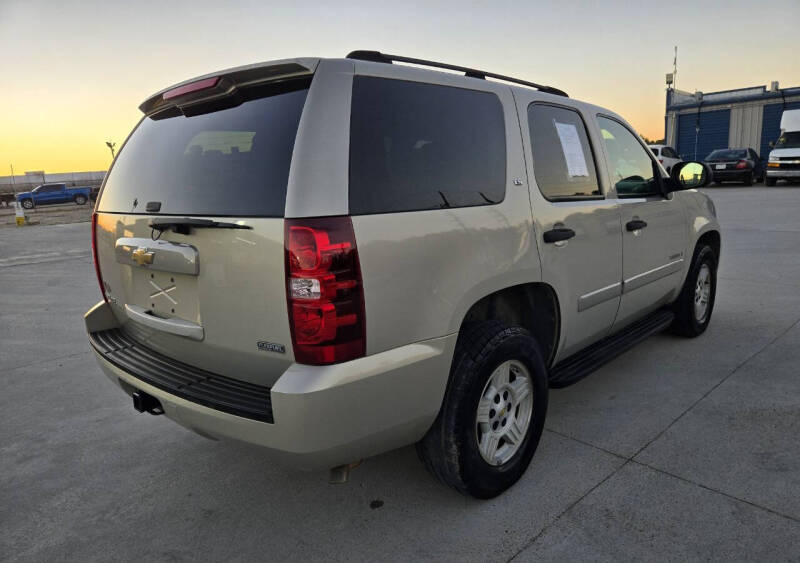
(48, 215)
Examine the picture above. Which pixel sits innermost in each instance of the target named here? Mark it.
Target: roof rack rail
(378, 57)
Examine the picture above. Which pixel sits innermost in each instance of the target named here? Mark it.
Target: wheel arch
(533, 306)
(711, 236)
(713, 239)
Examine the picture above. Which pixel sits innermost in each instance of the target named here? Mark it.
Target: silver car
(332, 258)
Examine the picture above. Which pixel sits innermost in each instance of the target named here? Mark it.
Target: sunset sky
(74, 72)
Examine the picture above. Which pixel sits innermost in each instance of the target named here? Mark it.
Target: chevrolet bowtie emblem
(141, 256)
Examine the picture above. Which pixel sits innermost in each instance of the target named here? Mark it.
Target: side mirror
(688, 176)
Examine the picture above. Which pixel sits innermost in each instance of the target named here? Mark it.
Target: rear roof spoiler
(227, 81)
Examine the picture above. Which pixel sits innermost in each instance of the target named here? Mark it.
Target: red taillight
(741, 164)
(324, 290)
(661, 161)
(94, 255)
(204, 84)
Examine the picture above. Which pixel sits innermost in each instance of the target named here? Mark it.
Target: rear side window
(655, 151)
(231, 162)
(417, 146)
(668, 152)
(562, 157)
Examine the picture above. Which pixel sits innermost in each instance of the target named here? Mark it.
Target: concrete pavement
(677, 450)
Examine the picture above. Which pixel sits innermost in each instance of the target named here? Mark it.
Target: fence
(23, 183)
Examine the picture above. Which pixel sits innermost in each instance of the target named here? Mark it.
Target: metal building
(696, 124)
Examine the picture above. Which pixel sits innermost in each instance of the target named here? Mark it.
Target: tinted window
(630, 166)
(232, 162)
(655, 150)
(417, 146)
(727, 154)
(562, 157)
(668, 152)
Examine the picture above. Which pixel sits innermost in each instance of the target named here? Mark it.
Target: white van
(784, 159)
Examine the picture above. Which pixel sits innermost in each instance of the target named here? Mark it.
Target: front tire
(770, 181)
(695, 303)
(27, 203)
(493, 412)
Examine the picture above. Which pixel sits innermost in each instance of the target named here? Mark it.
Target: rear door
(46, 194)
(577, 228)
(62, 195)
(210, 294)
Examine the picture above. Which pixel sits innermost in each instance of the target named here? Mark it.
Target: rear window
(231, 162)
(727, 154)
(417, 146)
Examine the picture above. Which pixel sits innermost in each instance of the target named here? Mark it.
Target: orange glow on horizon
(76, 73)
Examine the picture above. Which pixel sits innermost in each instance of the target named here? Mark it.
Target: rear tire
(695, 303)
(770, 182)
(80, 199)
(470, 429)
(748, 180)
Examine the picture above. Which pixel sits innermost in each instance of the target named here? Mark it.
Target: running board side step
(578, 366)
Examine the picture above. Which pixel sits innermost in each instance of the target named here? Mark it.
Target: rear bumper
(324, 416)
(731, 175)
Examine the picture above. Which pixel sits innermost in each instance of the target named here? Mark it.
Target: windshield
(727, 154)
(232, 162)
(789, 140)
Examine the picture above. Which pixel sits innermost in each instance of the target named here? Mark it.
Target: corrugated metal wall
(714, 128)
(771, 123)
(745, 128)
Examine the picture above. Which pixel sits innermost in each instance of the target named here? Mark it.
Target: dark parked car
(736, 165)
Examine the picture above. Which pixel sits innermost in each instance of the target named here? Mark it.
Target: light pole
(111, 146)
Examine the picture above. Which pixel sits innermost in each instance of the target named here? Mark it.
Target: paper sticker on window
(573, 151)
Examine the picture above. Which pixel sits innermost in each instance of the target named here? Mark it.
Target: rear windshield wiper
(184, 225)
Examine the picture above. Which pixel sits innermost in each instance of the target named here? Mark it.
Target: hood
(20, 195)
(785, 152)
